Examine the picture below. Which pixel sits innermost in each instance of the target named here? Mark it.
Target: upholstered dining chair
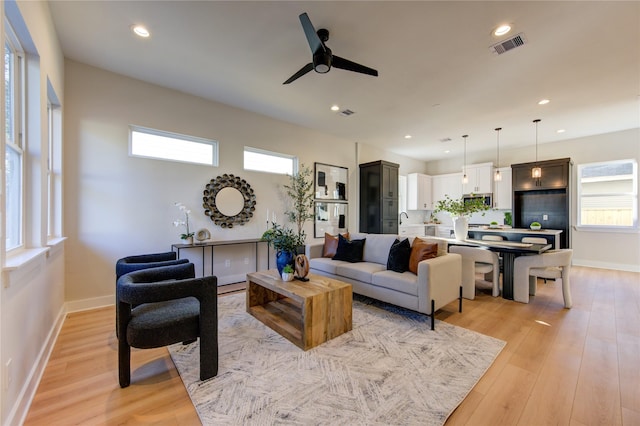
(476, 260)
(166, 305)
(526, 269)
(492, 237)
(550, 273)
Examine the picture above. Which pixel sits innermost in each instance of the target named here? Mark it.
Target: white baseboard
(606, 265)
(21, 407)
(93, 303)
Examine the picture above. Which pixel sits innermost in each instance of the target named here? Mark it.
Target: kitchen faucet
(403, 213)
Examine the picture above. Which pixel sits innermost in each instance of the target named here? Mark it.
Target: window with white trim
(14, 154)
(162, 145)
(271, 162)
(608, 194)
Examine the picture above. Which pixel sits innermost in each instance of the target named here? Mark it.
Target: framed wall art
(331, 182)
(330, 218)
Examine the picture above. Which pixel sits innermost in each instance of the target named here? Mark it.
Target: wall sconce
(536, 172)
(497, 176)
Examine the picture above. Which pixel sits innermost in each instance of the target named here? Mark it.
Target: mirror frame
(332, 224)
(330, 176)
(219, 183)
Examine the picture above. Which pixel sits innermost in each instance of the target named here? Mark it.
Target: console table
(212, 244)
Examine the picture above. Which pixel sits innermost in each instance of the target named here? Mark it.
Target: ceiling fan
(323, 59)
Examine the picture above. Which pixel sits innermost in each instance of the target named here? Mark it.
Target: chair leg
(124, 363)
(460, 301)
(433, 314)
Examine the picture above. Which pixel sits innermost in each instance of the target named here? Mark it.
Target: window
(270, 162)
(158, 144)
(14, 158)
(608, 194)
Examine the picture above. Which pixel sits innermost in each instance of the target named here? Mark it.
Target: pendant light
(497, 176)
(465, 178)
(536, 172)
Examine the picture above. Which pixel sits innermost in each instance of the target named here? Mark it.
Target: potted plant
(460, 210)
(285, 241)
(493, 224)
(187, 236)
(536, 226)
(300, 192)
(287, 273)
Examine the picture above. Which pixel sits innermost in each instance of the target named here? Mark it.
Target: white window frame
(15, 142)
(270, 155)
(633, 194)
(179, 138)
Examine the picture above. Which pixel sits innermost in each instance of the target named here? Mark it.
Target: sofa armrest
(439, 279)
(314, 250)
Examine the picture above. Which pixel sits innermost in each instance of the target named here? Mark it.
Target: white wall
(32, 294)
(614, 250)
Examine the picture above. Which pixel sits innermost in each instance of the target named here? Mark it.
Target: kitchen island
(516, 234)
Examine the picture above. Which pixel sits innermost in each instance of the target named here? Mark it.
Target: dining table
(509, 251)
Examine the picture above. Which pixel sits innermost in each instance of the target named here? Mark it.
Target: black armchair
(166, 305)
(144, 261)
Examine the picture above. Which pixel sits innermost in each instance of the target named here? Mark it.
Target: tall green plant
(300, 191)
(460, 207)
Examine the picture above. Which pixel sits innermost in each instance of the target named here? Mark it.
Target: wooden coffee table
(306, 313)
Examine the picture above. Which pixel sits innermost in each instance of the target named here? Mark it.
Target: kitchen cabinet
(418, 191)
(442, 185)
(502, 192)
(480, 179)
(555, 174)
(379, 197)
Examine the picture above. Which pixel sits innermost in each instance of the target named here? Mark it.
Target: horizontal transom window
(161, 145)
(270, 162)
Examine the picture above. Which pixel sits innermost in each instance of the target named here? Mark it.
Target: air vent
(443, 140)
(346, 112)
(509, 44)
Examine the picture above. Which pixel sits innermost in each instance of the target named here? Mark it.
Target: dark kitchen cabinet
(555, 174)
(546, 199)
(379, 197)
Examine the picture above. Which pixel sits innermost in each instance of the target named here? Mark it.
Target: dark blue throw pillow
(399, 255)
(349, 251)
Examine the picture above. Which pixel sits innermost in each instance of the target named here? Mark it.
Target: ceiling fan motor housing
(322, 61)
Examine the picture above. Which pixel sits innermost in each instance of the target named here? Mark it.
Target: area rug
(391, 369)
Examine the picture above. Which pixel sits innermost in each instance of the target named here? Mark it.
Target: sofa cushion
(421, 251)
(349, 251)
(442, 244)
(325, 264)
(362, 271)
(331, 244)
(406, 282)
(377, 247)
(399, 253)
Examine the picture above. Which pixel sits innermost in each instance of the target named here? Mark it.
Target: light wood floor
(563, 367)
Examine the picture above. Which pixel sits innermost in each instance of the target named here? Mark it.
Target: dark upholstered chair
(166, 305)
(144, 261)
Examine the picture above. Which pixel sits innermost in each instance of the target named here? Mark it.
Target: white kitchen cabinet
(480, 179)
(418, 192)
(449, 184)
(502, 192)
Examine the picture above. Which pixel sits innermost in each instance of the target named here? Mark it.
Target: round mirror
(229, 200)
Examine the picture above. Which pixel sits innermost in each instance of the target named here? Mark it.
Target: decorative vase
(302, 266)
(188, 240)
(284, 258)
(460, 227)
(287, 276)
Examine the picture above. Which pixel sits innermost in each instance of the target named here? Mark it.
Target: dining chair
(526, 269)
(550, 273)
(477, 260)
(493, 237)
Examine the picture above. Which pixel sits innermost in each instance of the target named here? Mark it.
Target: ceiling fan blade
(348, 65)
(300, 73)
(312, 37)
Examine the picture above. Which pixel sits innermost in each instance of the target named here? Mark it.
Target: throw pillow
(399, 255)
(331, 244)
(421, 251)
(349, 251)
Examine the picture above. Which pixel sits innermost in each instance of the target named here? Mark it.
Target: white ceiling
(438, 78)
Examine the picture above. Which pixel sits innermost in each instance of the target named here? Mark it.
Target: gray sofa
(437, 283)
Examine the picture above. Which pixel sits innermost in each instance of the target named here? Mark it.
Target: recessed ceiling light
(140, 30)
(560, 131)
(407, 136)
(502, 30)
(447, 151)
(335, 108)
(543, 101)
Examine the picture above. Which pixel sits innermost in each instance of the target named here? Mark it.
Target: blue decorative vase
(284, 258)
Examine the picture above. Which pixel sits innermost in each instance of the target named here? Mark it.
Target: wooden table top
(296, 289)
